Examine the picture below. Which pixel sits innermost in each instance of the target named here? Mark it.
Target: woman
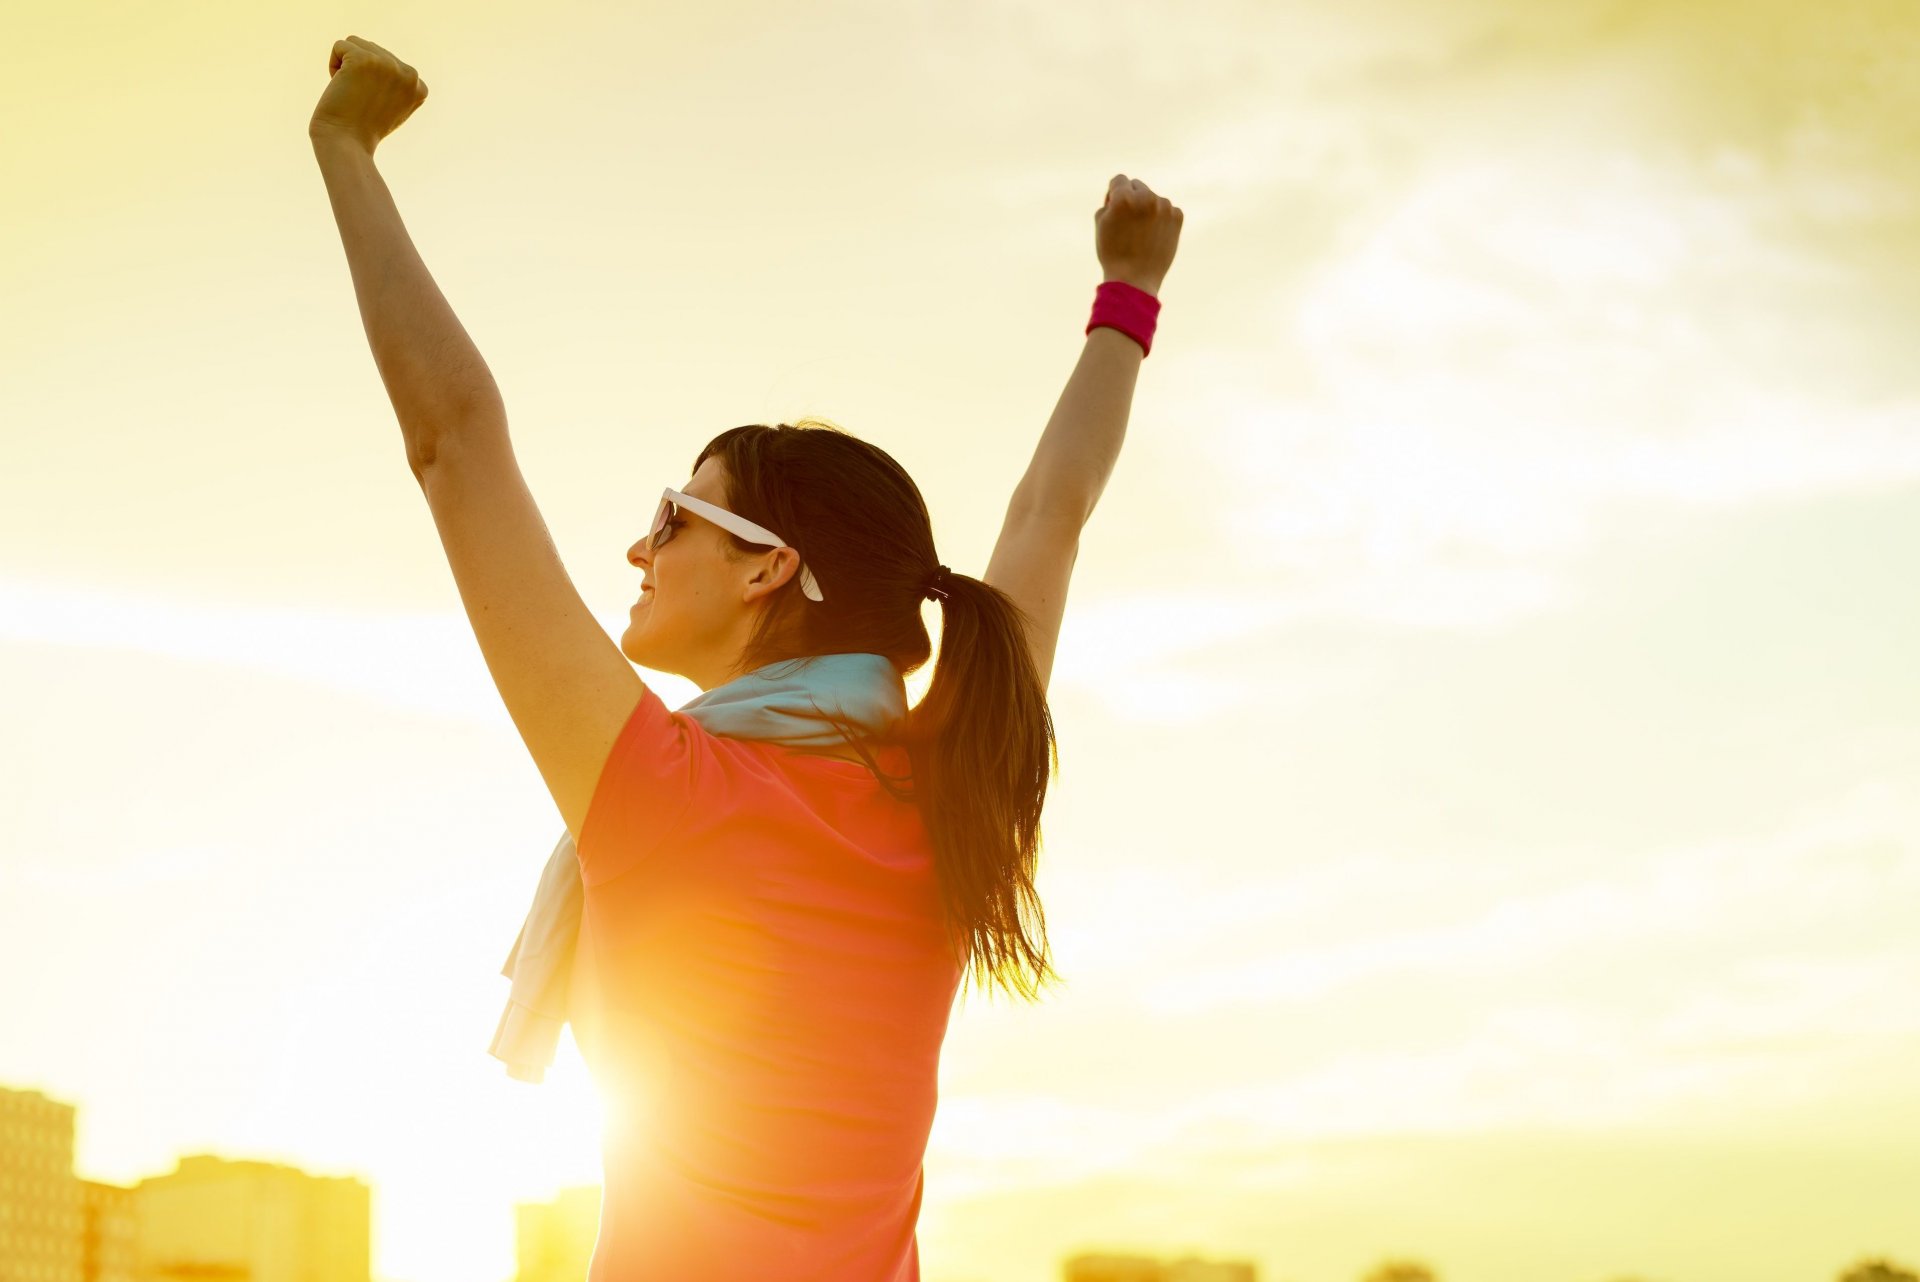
(786, 880)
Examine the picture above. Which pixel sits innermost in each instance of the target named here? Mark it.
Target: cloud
(1840, 862)
(1517, 1068)
(1146, 656)
(415, 660)
(1483, 283)
(1745, 977)
(1496, 363)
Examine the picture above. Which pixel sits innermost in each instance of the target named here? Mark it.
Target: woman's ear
(771, 572)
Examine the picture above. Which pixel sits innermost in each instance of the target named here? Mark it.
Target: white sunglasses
(672, 500)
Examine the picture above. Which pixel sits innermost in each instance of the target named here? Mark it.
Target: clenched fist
(1135, 233)
(370, 93)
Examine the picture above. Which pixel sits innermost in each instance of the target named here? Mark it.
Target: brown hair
(981, 741)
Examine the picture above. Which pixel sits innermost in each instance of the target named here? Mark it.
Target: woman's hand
(1135, 233)
(370, 94)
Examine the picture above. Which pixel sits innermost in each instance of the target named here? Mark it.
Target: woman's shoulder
(830, 754)
(842, 760)
(842, 752)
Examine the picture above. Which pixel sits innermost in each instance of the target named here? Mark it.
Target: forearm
(433, 373)
(1082, 440)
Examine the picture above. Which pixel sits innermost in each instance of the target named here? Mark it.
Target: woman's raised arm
(1135, 236)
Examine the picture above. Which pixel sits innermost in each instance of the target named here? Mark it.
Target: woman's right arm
(1040, 538)
(1082, 440)
(1135, 236)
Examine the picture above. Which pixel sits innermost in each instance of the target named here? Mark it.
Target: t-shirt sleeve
(646, 788)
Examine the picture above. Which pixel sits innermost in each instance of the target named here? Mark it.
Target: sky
(1485, 829)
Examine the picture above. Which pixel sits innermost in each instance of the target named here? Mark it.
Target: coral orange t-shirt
(766, 990)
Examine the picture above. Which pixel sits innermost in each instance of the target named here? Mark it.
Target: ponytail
(983, 750)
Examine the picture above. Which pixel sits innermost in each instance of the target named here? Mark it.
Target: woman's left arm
(434, 375)
(566, 685)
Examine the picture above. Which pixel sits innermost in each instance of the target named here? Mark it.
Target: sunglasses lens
(662, 530)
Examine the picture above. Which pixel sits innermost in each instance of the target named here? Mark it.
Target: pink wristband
(1127, 308)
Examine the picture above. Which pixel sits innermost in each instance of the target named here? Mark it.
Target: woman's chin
(640, 647)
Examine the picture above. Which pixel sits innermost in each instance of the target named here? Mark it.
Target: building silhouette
(553, 1241)
(208, 1219)
(41, 1219)
(107, 1247)
(1113, 1268)
(1093, 1267)
(211, 1218)
(1192, 1268)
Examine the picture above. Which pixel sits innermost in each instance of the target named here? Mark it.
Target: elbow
(1062, 507)
(419, 455)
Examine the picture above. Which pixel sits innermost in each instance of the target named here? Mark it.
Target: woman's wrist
(1138, 280)
(332, 145)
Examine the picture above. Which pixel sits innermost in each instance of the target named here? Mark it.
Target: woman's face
(697, 605)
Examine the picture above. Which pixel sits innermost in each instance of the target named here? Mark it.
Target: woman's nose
(636, 555)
